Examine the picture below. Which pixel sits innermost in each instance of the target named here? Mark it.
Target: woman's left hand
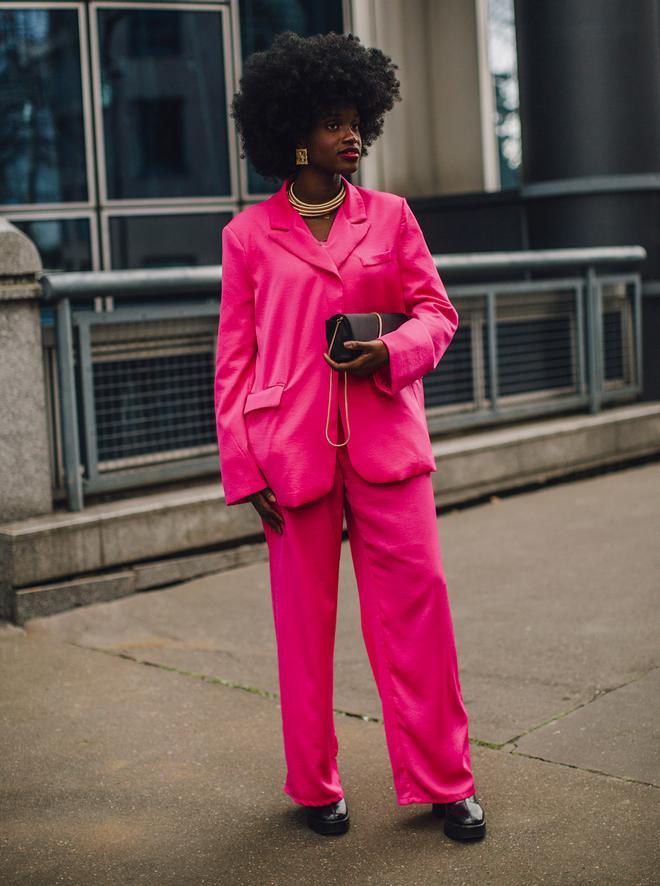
(374, 354)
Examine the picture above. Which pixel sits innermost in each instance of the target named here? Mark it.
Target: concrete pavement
(141, 737)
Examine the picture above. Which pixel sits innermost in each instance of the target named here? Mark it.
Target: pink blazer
(279, 285)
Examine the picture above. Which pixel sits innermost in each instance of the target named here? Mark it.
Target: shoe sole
(328, 827)
(461, 832)
(465, 832)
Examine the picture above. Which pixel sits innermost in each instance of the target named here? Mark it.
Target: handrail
(142, 282)
(532, 259)
(161, 282)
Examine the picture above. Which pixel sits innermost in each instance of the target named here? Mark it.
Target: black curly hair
(288, 87)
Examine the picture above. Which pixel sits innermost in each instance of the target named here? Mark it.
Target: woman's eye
(354, 125)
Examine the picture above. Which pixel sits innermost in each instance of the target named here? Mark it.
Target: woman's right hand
(266, 506)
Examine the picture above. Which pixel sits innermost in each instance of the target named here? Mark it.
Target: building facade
(523, 126)
(118, 151)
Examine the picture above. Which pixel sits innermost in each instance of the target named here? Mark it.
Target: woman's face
(334, 144)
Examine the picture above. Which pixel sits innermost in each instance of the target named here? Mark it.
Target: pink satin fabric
(279, 286)
(407, 628)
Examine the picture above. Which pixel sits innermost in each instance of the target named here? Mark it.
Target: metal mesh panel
(155, 404)
(537, 351)
(613, 345)
(452, 382)
(151, 392)
(535, 336)
(618, 335)
(533, 355)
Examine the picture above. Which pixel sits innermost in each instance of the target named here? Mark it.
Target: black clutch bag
(357, 327)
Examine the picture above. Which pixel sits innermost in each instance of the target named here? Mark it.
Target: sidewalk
(141, 737)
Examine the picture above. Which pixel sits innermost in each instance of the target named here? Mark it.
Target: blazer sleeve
(234, 373)
(415, 348)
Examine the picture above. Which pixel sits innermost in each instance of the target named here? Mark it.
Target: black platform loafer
(329, 819)
(464, 819)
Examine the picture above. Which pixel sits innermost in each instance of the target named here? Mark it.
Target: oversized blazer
(272, 383)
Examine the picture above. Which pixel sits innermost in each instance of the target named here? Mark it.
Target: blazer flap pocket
(269, 396)
(376, 258)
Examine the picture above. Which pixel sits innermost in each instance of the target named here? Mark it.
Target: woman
(307, 111)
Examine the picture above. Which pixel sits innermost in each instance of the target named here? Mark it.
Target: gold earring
(301, 157)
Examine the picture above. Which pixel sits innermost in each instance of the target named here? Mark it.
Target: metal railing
(133, 357)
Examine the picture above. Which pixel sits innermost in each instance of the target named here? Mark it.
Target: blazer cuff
(382, 377)
(240, 478)
(411, 357)
(238, 495)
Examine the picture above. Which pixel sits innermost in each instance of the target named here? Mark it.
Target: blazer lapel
(348, 228)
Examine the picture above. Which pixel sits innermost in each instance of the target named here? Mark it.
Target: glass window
(64, 244)
(262, 20)
(164, 103)
(160, 241)
(42, 142)
(504, 70)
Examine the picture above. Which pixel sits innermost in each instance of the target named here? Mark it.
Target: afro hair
(287, 88)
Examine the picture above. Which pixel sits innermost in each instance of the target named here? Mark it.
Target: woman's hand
(374, 354)
(266, 505)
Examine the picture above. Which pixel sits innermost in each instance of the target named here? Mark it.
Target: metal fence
(130, 360)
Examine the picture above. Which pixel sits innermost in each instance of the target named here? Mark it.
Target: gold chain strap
(345, 374)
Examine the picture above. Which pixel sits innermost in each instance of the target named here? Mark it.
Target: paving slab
(113, 772)
(554, 596)
(618, 733)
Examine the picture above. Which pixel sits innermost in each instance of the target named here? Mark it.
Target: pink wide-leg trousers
(407, 628)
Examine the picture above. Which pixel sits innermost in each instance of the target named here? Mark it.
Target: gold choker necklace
(316, 209)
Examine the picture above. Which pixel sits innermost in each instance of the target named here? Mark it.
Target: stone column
(25, 473)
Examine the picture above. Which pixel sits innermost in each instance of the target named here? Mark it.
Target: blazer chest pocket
(269, 396)
(377, 258)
